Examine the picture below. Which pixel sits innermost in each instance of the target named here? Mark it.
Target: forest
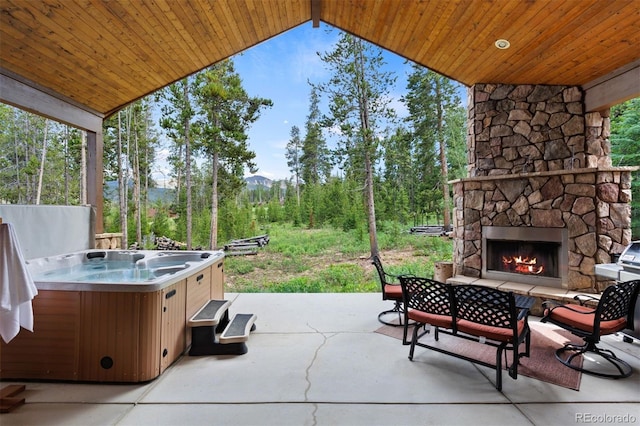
(355, 165)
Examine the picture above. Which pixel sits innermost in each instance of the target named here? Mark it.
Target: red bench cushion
(444, 321)
(584, 318)
(490, 332)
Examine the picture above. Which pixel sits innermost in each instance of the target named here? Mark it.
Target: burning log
(522, 265)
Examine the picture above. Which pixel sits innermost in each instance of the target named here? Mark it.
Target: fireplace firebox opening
(526, 258)
(525, 254)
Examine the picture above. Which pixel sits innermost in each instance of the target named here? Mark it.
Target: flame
(522, 265)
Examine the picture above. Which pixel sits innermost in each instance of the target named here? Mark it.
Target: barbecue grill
(627, 268)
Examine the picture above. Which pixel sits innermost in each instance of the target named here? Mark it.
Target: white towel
(17, 288)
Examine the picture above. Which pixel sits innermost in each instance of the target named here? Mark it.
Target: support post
(95, 151)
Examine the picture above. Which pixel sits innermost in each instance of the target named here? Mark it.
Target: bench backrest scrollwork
(427, 295)
(485, 305)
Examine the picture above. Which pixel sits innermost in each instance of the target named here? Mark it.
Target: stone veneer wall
(592, 204)
(536, 159)
(533, 128)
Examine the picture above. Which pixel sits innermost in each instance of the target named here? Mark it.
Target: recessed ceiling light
(502, 44)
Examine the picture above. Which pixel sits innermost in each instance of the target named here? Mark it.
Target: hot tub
(111, 315)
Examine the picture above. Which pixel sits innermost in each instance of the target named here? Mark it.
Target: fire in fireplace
(522, 257)
(524, 254)
(520, 265)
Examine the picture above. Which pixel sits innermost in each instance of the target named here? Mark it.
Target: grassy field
(328, 260)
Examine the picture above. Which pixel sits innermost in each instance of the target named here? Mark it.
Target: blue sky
(279, 69)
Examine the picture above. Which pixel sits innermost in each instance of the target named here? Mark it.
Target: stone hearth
(537, 160)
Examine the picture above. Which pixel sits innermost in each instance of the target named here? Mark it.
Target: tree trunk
(178, 177)
(368, 167)
(83, 169)
(42, 161)
(17, 166)
(187, 148)
(145, 200)
(213, 237)
(122, 188)
(136, 179)
(443, 160)
(66, 165)
(443, 271)
(371, 209)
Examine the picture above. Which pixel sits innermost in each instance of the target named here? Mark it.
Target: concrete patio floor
(315, 359)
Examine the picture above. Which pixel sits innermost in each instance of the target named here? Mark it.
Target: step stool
(213, 318)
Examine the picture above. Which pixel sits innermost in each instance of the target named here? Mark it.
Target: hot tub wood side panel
(173, 341)
(150, 335)
(121, 336)
(110, 341)
(51, 351)
(198, 293)
(217, 280)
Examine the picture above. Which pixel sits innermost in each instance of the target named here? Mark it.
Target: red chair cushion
(584, 319)
(393, 292)
(490, 332)
(444, 321)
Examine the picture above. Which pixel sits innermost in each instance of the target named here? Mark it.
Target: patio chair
(613, 313)
(391, 290)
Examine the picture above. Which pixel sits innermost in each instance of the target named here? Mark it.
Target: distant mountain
(254, 182)
(167, 194)
(155, 194)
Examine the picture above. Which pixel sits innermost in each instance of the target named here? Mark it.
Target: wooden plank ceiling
(102, 55)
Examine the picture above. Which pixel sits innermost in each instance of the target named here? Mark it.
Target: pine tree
(293, 154)
(398, 175)
(227, 113)
(177, 116)
(431, 98)
(625, 150)
(358, 104)
(315, 160)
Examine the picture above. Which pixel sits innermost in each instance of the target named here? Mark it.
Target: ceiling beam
(316, 6)
(23, 95)
(614, 88)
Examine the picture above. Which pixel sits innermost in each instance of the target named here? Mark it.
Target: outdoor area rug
(541, 364)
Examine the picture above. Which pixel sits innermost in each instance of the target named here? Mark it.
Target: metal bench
(481, 314)
(213, 318)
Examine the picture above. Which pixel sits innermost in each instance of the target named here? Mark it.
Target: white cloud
(306, 64)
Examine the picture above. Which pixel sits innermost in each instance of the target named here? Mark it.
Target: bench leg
(499, 368)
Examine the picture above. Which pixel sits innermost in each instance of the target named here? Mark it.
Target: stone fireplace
(540, 182)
